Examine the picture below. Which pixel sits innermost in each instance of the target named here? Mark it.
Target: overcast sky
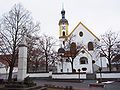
(98, 15)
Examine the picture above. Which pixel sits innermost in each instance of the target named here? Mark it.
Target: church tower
(63, 28)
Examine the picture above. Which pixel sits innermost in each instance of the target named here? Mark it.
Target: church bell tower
(63, 28)
(63, 25)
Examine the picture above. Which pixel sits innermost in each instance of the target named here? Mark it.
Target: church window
(63, 33)
(83, 60)
(90, 46)
(81, 33)
(67, 60)
(63, 27)
(83, 51)
(63, 42)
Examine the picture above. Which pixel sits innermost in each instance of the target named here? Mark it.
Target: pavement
(109, 85)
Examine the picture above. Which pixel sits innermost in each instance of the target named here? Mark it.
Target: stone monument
(22, 60)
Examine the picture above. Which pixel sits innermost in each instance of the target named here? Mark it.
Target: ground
(80, 86)
(76, 85)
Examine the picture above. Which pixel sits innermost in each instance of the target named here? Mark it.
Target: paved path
(81, 86)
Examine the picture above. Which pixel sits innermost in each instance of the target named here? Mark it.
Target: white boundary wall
(68, 76)
(72, 76)
(108, 75)
(39, 74)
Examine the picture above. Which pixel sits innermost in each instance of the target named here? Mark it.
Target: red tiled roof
(6, 59)
(116, 58)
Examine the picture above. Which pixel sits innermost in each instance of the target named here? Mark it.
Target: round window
(83, 51)
(81, 33)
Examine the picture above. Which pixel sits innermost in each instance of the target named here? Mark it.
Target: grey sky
(98, 15)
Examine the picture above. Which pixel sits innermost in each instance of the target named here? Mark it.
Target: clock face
(63, 27)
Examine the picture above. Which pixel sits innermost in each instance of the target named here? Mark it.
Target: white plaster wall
(5, 75)
(61, 42)
(101, 61)
(87, 36)
(3, 70)
(68, 76)
(77, 64)
(67, 67)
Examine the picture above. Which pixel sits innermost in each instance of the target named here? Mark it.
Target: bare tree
(46, 44)
(108, 47)
(14, 24)
(34, 53)
(71, 50)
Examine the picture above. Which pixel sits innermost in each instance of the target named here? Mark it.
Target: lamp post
(93, 61)
(100, 68)
(79, 73)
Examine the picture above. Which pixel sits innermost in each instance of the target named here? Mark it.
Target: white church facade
(87, 57)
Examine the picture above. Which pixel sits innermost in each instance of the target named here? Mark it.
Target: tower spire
(63, 11)
(62, 6)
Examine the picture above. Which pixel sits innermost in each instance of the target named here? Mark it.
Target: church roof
(80, 23)
(63, 20)
(83, 48)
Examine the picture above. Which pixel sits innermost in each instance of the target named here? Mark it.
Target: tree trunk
(46, 62)
(46, 66)
(10, 73)
(12, 64)
(72, 64)
(110, 68)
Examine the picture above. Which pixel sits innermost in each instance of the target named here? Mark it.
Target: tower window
(83, 60)
(63, 42)
(90, 46)
(63, 33)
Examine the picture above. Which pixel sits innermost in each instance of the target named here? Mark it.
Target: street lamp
(79, 73)
(100, 68)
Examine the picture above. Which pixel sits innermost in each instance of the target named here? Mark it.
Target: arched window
(63, 42)
(90, 46)
(83, 60)
(63, 33)
(61, 70)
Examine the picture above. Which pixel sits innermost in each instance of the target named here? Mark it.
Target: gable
(86, 52)
(82, 28)
(83, 53)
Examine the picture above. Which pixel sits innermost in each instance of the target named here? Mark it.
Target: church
(78, 51)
